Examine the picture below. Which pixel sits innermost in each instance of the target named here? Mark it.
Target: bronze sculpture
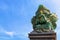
(44, 20)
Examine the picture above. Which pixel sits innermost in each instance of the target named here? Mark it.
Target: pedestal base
(42, 36)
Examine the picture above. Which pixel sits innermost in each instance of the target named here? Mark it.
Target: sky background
(15, 17)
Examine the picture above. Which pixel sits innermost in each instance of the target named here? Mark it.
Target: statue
(44, 20)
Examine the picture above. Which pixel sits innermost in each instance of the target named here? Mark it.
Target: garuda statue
(44, 20)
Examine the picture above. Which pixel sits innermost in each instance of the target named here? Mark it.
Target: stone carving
(44, 20)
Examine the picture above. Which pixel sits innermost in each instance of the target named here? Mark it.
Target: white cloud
(10, 33)
(2, 30)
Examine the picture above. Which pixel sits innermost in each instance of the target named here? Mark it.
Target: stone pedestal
(42, 36)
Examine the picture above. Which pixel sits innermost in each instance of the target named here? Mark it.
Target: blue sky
(15, 17)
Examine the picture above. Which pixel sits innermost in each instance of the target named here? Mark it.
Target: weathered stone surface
(42, 36)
